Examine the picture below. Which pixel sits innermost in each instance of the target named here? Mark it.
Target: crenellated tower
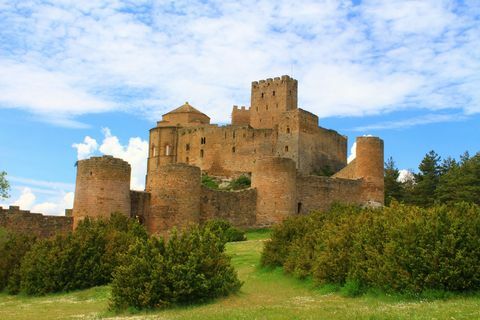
(269, 99)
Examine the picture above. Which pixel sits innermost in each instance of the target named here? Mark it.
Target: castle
(280, 145)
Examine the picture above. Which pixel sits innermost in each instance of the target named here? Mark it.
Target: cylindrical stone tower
(102, 187)
(276, 182)
(175, 197)
(369, 166)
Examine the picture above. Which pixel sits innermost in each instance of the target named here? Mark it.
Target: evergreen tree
(461, 182)
(393, 187)
(4, 185)
(426, 180)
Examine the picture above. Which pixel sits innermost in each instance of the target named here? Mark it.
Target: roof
(186, 108)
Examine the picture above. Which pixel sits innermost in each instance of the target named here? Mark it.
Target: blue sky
(79, 78)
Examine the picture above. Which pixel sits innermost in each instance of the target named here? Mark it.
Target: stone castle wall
(240, 117)
(237, 207)
(37, 224)
(102, 187)
(270, 98)
(174, 197)
(275, 181)
(320, 193)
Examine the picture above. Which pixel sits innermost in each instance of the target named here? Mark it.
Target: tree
(461, 182)
(393, 187)
(427, 180)
(4, 186)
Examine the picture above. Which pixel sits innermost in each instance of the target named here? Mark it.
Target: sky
(81, 78)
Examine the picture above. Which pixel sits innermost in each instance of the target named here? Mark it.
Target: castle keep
(280, 145)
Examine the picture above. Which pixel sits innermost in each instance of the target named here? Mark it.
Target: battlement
(40, 225)
(274, 81)
(105, 160)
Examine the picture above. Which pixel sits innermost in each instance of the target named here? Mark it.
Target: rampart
(102, 187)
(237, 207)
(37, 224)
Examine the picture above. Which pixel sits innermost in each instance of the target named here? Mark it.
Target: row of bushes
(146, 272)
(401, 248)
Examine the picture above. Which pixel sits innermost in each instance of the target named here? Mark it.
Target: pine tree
(393, 187)
(427, 179)
(461, 182)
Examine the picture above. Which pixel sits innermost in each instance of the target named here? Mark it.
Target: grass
(266, 294)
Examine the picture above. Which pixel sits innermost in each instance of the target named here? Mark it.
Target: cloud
(407, 123)
(135, 153)
(353, 153)
(55, 208)
(405, 176)
(47, 197)
(80, 57)
(26, 199)
(86, 149)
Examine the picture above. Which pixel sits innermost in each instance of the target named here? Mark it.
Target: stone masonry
(282, 147)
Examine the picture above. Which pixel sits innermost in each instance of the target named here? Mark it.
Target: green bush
(13, 247)
(225, 231)
(82, 259)
(209, 182)
(190, 267)
(242, 182)
(398, 249)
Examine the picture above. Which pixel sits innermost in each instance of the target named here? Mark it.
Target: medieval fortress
(279, 145)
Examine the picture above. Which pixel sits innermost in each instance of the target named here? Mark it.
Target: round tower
(102, 187)
(369, 166)
(276, 182)
(175, 197)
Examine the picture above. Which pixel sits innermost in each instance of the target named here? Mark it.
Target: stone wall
(237, 207)
(102, 187)
(270, 98)
(275, 181)
(174, 197)
(140, 205)
(240, 117)
(42, 226)
(319, 193)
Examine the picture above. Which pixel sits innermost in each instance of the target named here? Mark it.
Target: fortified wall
(36, 224)
(289, 157)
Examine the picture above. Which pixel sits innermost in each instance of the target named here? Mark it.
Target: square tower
(270, 98)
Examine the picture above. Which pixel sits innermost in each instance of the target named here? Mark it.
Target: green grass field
(264, 295)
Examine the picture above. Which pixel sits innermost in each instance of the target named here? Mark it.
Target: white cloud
(407, 123)
(353, 153)
(26, 199)
(405, 176)
(47, 197)
(55, 208)
(77, 57)
(135, 153)
(86, 149)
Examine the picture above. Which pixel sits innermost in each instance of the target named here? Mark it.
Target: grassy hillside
(265, 295)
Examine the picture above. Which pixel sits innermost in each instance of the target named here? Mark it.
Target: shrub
(13, 246)
(399, 248)
(82, 259)
(242, 182)
(190, 267)
(209, 182)
(225, 231)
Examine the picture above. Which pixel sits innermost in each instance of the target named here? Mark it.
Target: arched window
(233, 149)
(262, 94)
(273, 93)
(286, 148)
(201, 153)
(187, 147)
(186, 159)
(288, 129)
